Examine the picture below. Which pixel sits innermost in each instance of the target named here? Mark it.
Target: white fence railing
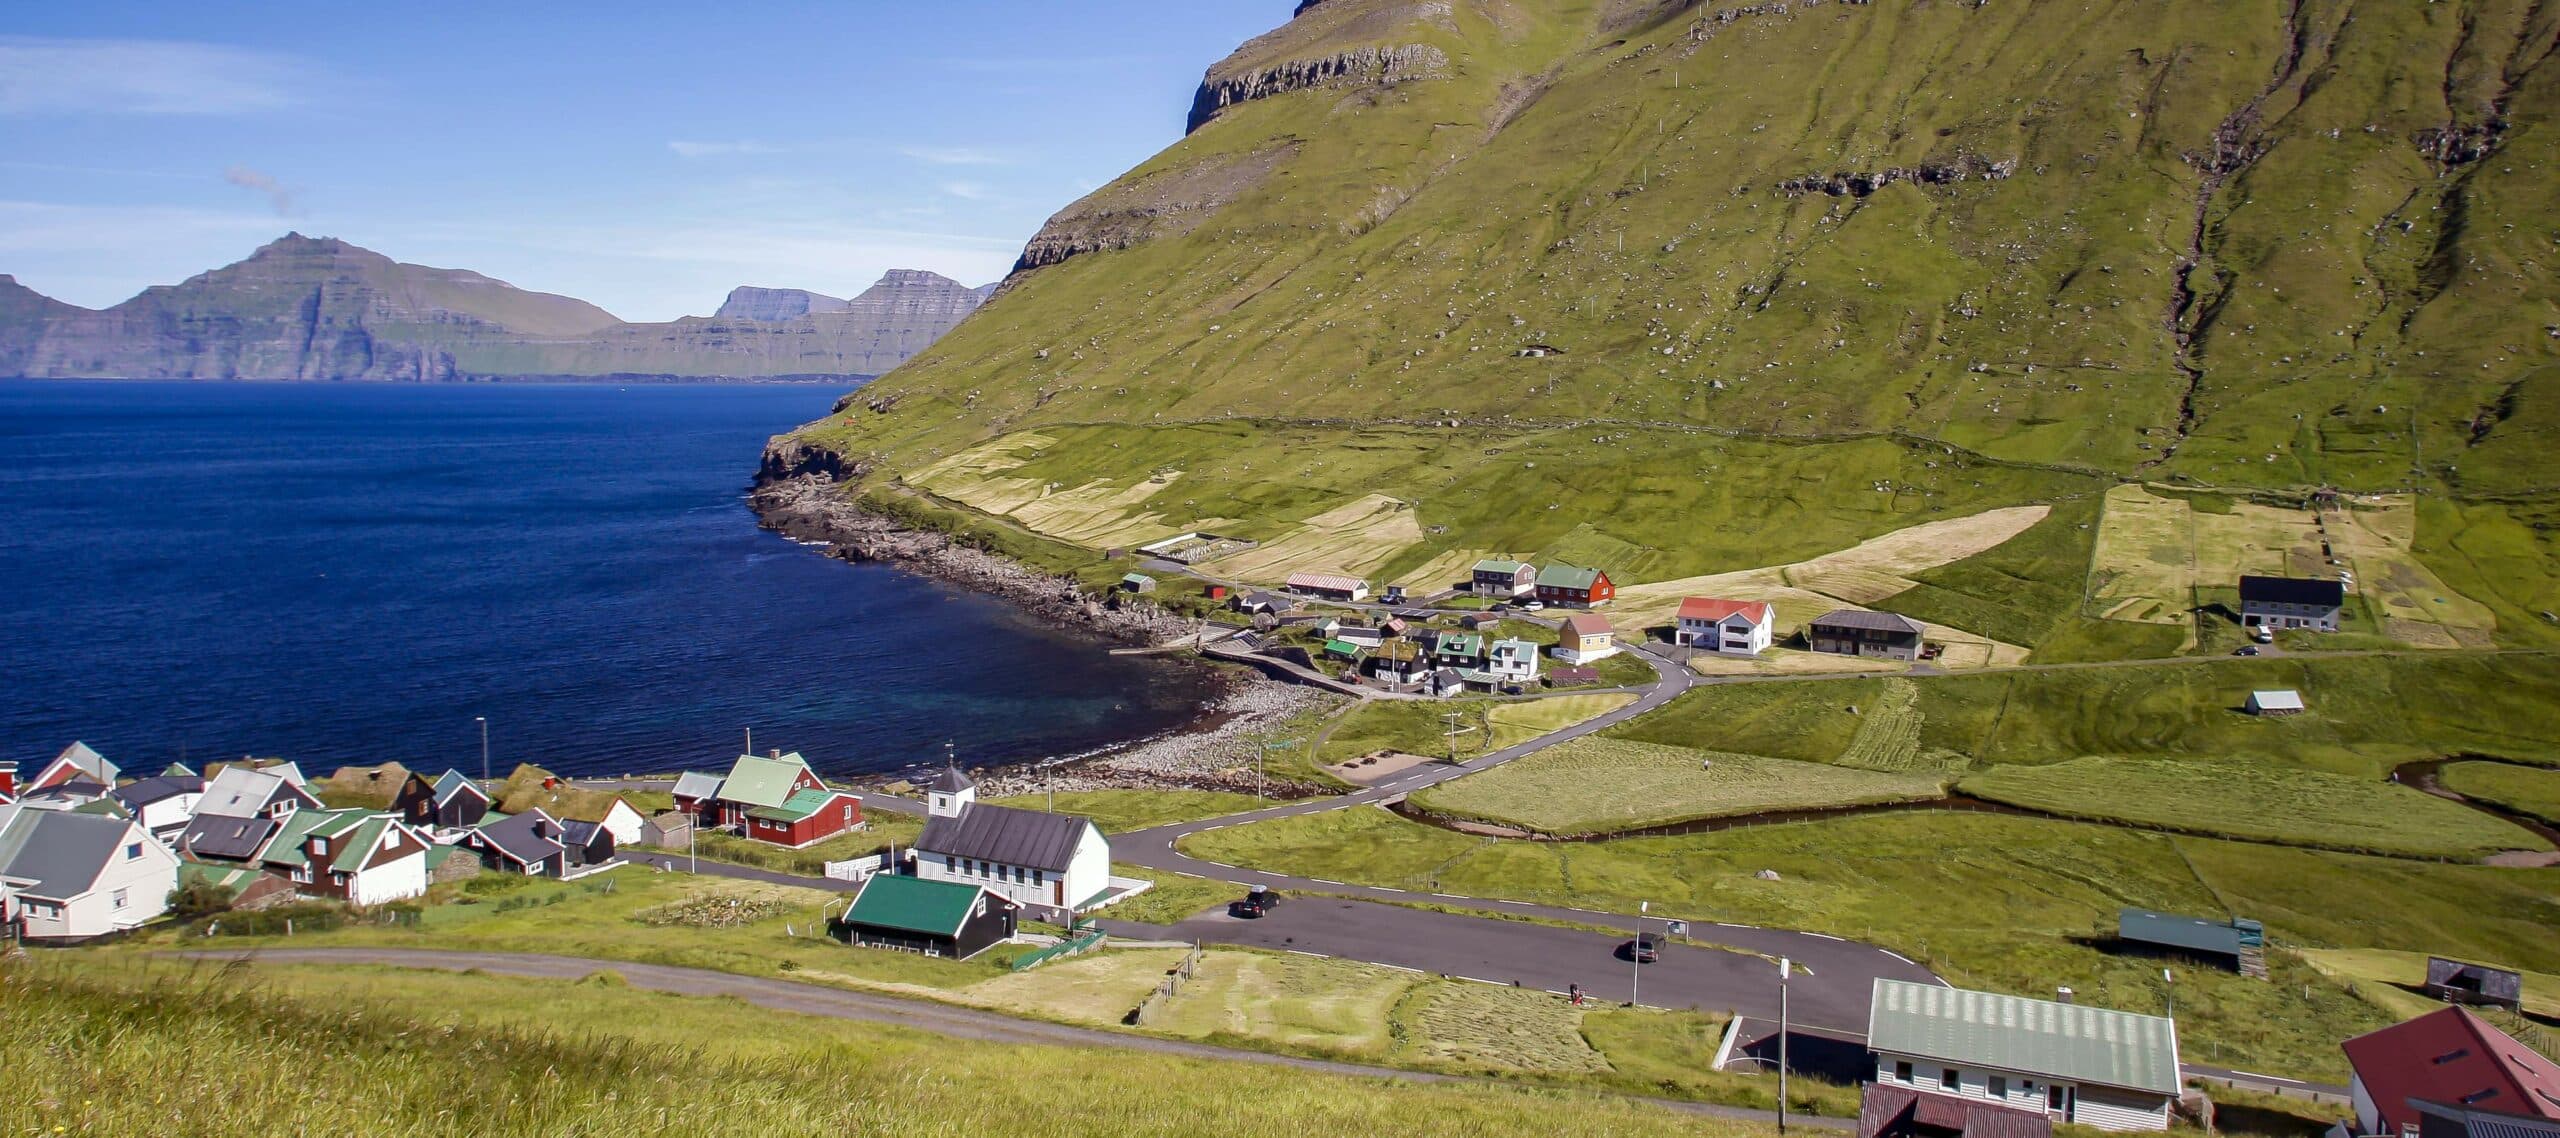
(858, 869)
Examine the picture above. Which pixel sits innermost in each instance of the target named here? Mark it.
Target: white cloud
(692, 149)
(968, 191)
(144, 77)
(954, 155)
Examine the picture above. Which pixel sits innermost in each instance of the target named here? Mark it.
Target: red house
(1561, 584)
(806, 818)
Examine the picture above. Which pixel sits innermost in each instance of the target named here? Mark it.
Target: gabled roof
(58, 854)
(1503, 568)
(1007, 836)
(1715, 610)
(87, 761)
(755, 780)
(2293, 591)
(238, 791)
(225, 836)
(1870, 621)
(2456, 1058)
(453, 782)
(361, 849)
(524, 838)
(802, 805)
(1562, 576)
(1588, 624)
(1338, 582)
(697, 785)
(2484, 1123)
(913, 904)
(2278, 699)
(285, 848)
(158, 788)
(579, 833)
(2031, 1037)
(1889, 1109)
(951, 781)
(2489, 980)
(591, 806)
(2197, 934)
(1515, 648)
(177, 769)
(1459, 644)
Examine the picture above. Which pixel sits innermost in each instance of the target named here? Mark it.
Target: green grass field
(2254, 800)
(2006, 903)
(1597, 785)
(394, 1053)
(1413, 726)
(2526, 790)
(880, 831)
(1518, 721)
(1119, 811)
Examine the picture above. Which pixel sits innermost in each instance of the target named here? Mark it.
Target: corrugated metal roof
(1873, 621)
(2195, 933)
(759, 781)
(1007, 836)
(226, 836)
(1562, 576)
(2278, 699)
(1336, 582)
(59, 854)
(913, 904)
(697, 785)
(1501, 568)
(2032, 1037)
(1715, 610)
(801, 805)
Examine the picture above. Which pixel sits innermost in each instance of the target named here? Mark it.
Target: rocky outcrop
(304, 308)
(1383, 66)
(1860, 183)
(1169, 203)
(747, 302)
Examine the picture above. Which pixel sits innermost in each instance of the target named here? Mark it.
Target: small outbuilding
(936, 918)
(2455, 982)
(2239, 944)
(2280, 701)
(1137, 583)
(1329, 586)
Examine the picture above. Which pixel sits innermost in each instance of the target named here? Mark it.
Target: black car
(1253, 905)
(1644, 949)
(2246, 650)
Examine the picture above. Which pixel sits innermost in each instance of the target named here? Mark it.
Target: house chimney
(776, 752)
(2062, 995)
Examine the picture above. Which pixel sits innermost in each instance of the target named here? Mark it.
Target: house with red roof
(2452, 1058)
(1740, 628)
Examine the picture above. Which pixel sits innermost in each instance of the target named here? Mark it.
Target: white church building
(1057, 861)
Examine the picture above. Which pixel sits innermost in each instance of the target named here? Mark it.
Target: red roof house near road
(2451, 1057)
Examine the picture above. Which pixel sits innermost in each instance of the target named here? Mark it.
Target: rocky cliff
(305, 308)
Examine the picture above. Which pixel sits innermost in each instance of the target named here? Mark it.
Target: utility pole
(1635, 953)
(483, 721)
(751, 741)
(2168, 985)
(693, 861)
(1785, 966)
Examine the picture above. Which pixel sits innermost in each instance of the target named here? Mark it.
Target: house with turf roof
(2093, 1066)
(1502, 580)
(806, 818)
(450, 801)
(67, 877)
(615, 814)
(936, 918)
(362, 857)
(1030, 857)
(1397, 662)
(1575, 587)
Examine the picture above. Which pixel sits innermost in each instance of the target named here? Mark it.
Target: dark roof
(524, 837)
(2293, 591)
(2451, 1056)
(579, 833)
(159, 788)
(1007, 836)
(1889, 1111)
(1873, 621)
(2226, 938)
(951, 781)
(60, 855)
(226, 837)
(2493, 983)
(2481, 1123)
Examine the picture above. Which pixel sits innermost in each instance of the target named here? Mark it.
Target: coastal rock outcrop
(1171, 203)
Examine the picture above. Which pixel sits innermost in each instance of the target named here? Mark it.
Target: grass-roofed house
(936, 918)
(2107, 1069)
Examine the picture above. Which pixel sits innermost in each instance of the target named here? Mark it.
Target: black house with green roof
(936, 918)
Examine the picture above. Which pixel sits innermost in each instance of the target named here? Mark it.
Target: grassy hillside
(2015, 248)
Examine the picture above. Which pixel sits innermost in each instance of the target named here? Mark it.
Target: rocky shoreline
(798, 494)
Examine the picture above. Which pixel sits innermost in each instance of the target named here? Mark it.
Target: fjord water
(343, 573)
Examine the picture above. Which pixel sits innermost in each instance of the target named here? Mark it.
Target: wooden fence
(1182, 973)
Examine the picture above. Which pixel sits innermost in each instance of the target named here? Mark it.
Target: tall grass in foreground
(154, 1051)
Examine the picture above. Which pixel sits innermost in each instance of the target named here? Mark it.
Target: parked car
(1535, 606)
(1644, 949)
(1254, 905)
(2264, 635)
(2245, 650)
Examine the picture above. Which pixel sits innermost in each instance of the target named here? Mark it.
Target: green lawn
(1417, 726)
(1597, 785)
(1176, 896)
(1119, 811)
(1518, 721)
(412, 1053)
(882, 830)
(2257, 801)
(2525, 790)
(2006, 903)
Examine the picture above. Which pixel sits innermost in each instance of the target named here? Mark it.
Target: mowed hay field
(399, 1054)
(2402, 973)
(2255, 801)
(1519, 721)
(1600, 785)
(1864, 574)
(2533, 791)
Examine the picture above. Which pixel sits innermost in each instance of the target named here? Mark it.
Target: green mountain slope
(304, 308)
(2257, 244)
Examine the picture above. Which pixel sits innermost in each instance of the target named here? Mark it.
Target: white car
(1534, 606)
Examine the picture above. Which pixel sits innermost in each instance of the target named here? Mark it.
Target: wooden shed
(936, 918)
(2284, 701)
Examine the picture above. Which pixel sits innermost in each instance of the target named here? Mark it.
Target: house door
(2059, 1100)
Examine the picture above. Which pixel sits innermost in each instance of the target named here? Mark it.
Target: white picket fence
(858, 869)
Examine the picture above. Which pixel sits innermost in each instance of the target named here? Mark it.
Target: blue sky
(644, 156)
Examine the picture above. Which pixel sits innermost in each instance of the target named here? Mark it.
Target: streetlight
(2168, 992)
(1786, 967)
(483, 721)
(1635, 953)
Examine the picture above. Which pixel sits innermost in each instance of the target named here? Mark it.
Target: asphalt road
(837, 1003)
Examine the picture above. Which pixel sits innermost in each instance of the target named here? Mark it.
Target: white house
(1501, 579)
(76, 763)
(1741, 628)
(1512, 662)
(1057, 861)
(358, 856)
(68, 877)
(2097, 1067)
(616, 817)
(240, 791)
(162, 803)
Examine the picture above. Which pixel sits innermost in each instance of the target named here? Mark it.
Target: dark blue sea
(342, 573)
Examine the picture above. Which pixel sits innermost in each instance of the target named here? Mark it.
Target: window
(1999, 1086)
(1902, 1073)
(1039, 877)
(133, 852)
(320, 845)
(1949, 1079)
(118, 898)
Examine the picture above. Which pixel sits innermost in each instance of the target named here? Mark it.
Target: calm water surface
(349, 574)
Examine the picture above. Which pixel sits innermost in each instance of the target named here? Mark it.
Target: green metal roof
(796, 808)
(231, 877)
(2031, 1037)
(352, 848)
(285, 848)
(1136, 579)
(1506, 568)
(2195, 933)
(913, 904)
(1461, 644)
(759, 781)
(1562, 576)
(1342, 647)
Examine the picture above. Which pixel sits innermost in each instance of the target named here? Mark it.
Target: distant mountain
(304, 308)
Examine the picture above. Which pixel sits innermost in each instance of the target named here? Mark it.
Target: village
(93, 854)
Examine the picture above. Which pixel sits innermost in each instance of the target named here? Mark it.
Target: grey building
(2291, 602)
(2108, 1069)
(1858, 632)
